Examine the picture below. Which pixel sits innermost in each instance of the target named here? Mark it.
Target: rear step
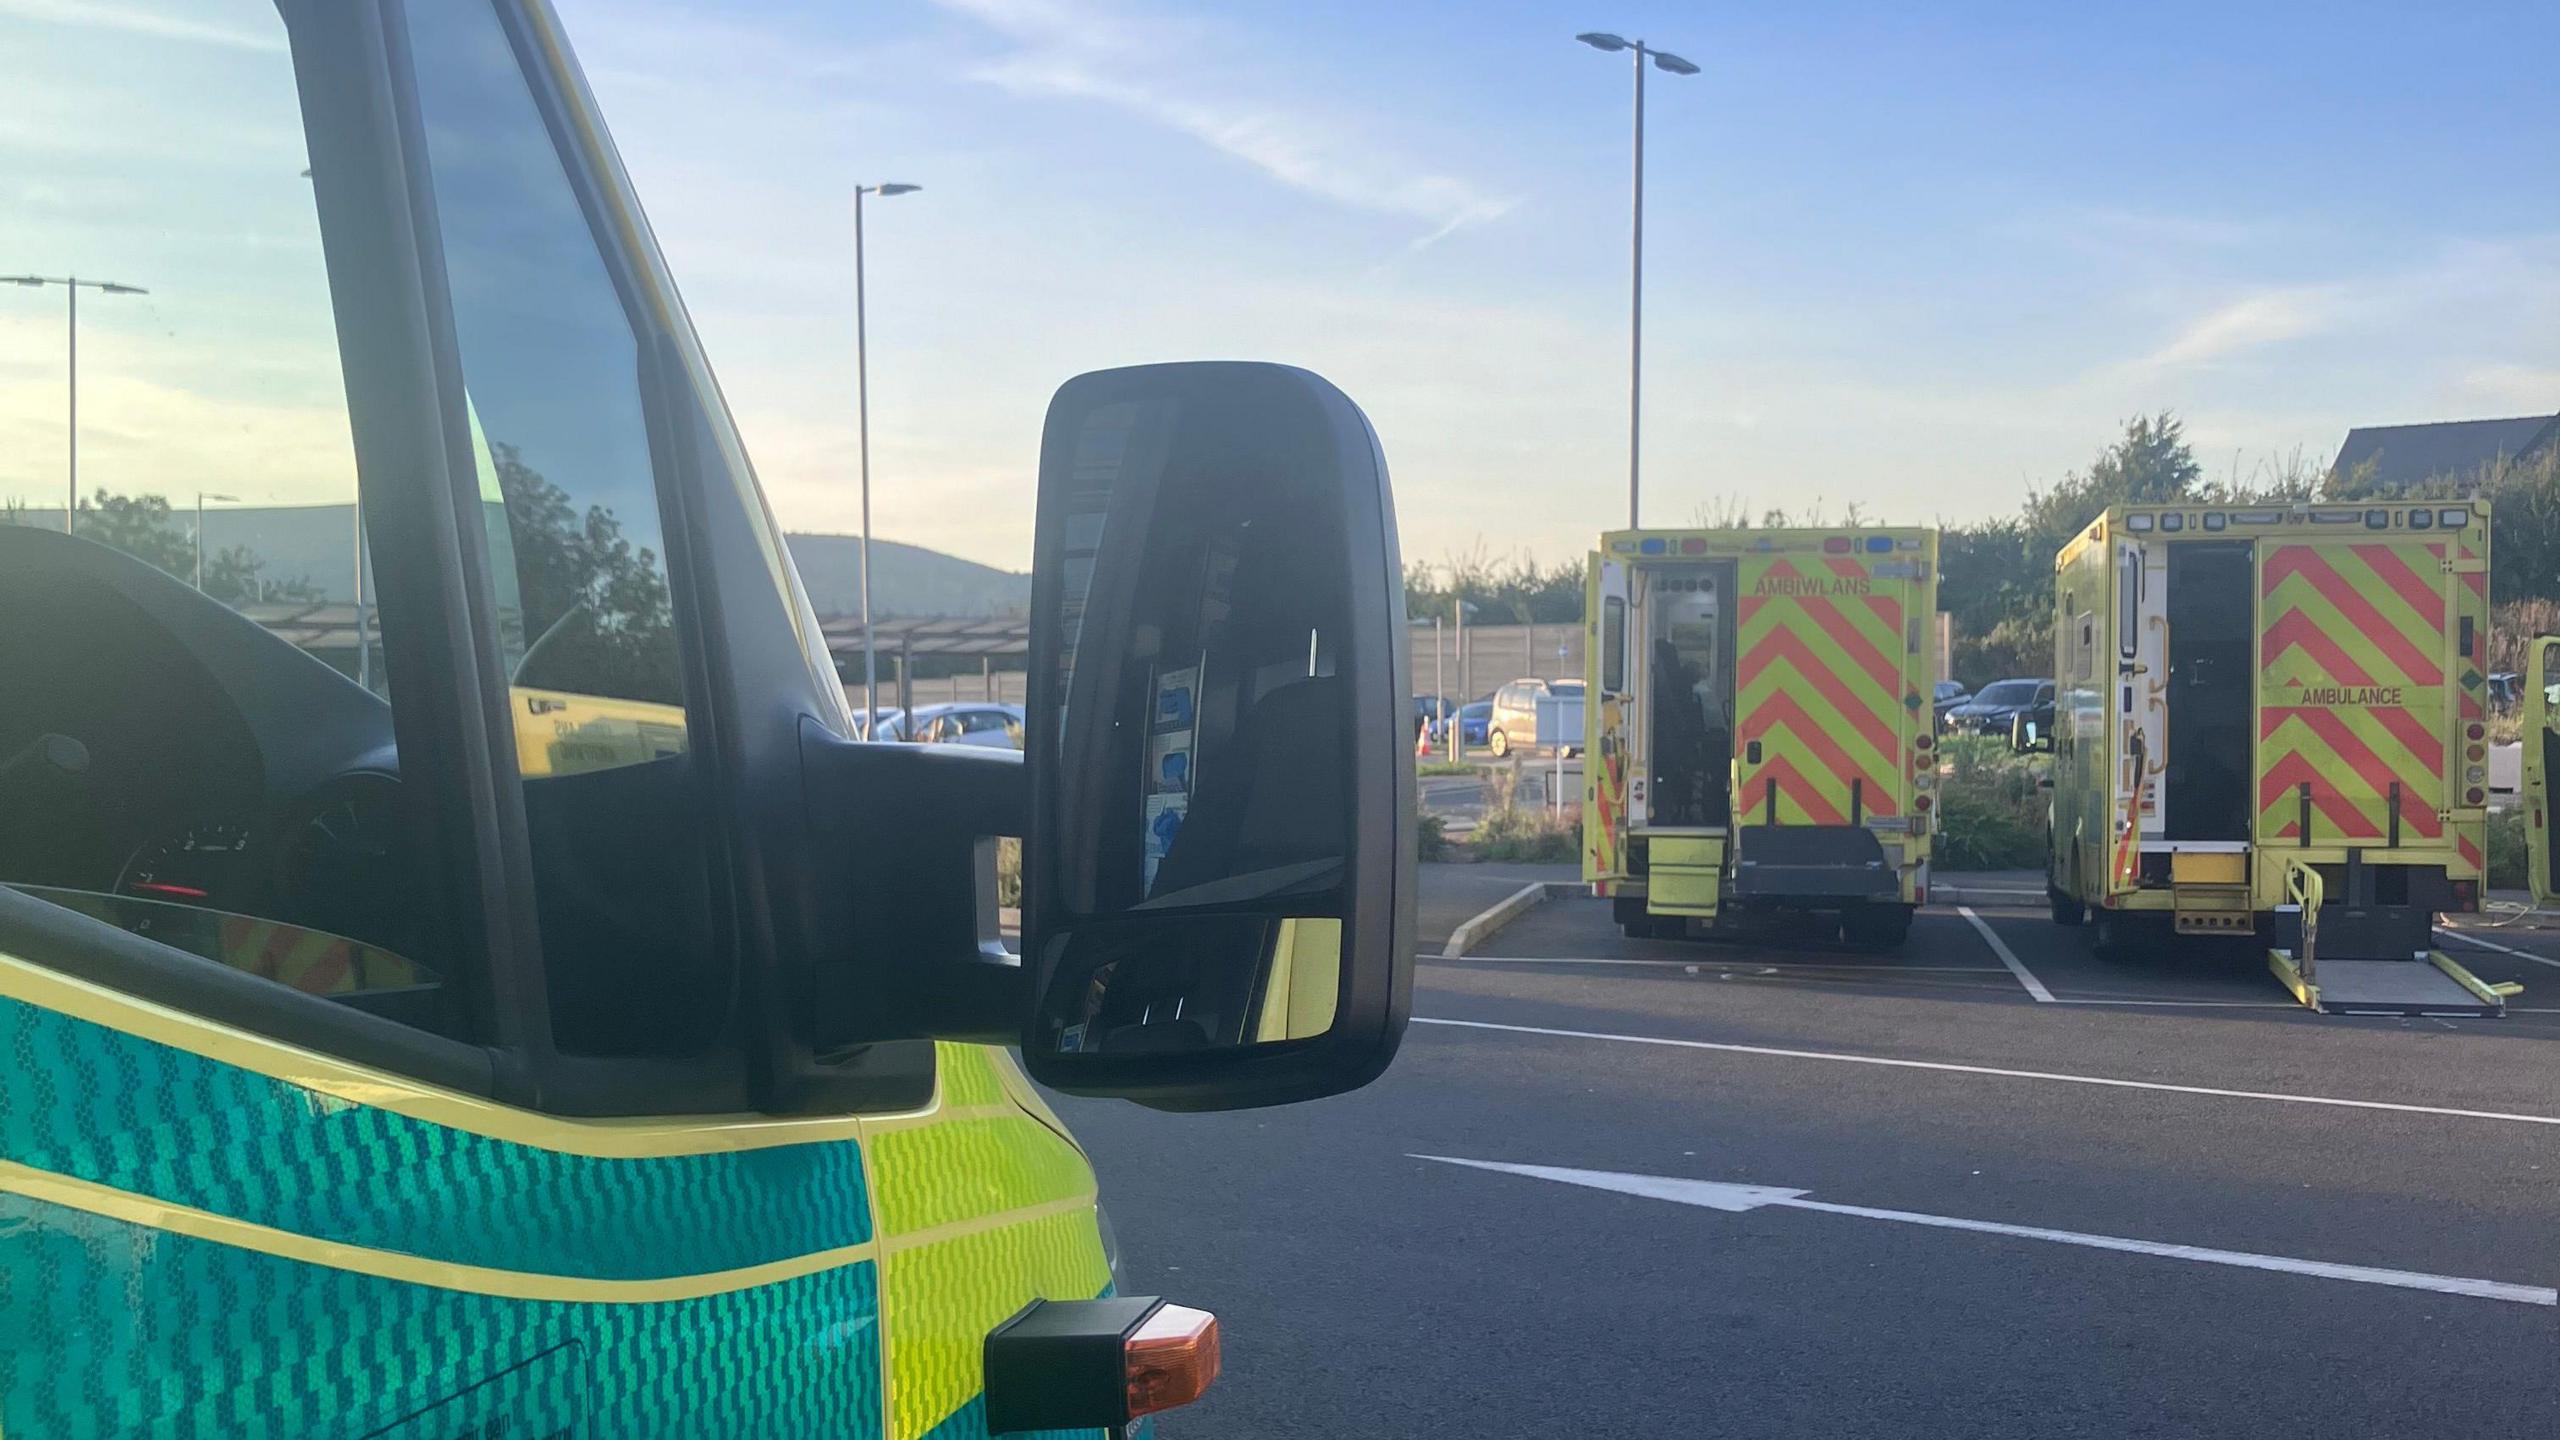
(2213, 910)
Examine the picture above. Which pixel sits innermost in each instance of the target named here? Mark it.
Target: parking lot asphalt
(2166, 1200)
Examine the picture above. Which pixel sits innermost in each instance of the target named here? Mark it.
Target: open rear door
(2542, 766)
(1828, 698)
(1610, 656)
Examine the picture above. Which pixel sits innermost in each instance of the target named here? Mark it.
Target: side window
(551, 362)
(196, 737)
(1613, 646)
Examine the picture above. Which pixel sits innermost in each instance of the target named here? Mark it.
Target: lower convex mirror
(1151, 984)
(1218, 879)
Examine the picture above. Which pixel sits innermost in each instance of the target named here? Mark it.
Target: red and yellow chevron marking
(2353, 689)
(312, 961)
(1820, 687)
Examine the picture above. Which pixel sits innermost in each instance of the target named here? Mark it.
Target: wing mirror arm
(900, 891)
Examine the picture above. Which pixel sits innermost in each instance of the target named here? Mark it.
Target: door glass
(577, 558)
(1613, 646)
(195, 746)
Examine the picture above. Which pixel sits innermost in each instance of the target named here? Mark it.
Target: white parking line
(1950, 1068)
(2008, 957)
(2501, 949)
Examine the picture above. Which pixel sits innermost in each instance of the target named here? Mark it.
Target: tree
(1513, 589)
(597, 619)
(235, 575)
(141, 526)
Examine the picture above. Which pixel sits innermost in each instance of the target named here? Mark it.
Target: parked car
(1474, 720)
(1515, 712)
(1432, 713)
(969, 723)
(885, 723)
(2506, 691)
(1950, 695)
(1994, 705)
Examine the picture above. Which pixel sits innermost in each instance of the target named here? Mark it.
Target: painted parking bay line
(2501, 949)
(1949, 1067)
(1739, 1199)
(2008, 957)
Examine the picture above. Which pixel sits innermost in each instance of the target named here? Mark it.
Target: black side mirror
(1218, 902)
(2028, 736)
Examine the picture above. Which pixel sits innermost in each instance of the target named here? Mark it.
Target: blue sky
(1913, 257)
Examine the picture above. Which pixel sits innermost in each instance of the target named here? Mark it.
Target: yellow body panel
(2541, 741)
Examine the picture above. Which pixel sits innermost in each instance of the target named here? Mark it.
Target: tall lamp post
(201, 497)
(72, 285)
(1673, 64)
(862, 423)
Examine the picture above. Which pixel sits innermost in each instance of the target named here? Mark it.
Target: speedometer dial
(196, 866)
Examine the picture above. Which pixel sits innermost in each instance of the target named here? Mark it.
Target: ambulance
(563, 1023)
(2271, 721)
(1759, 734)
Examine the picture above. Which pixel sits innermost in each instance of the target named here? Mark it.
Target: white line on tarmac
(1741, 1199)
(2185, 1004)
(1779, 966)
(1991, 890)
(2008, 957)
(1949, 1068)
(2501, 949)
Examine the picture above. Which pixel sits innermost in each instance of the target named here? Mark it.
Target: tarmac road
(2179, 1100)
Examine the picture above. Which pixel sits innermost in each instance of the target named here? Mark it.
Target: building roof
(2404, 455)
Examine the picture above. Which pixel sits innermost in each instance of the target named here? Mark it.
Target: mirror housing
(1218, 874)
(2028, 737)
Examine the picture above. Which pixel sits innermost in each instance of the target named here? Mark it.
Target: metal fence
(1491, 655)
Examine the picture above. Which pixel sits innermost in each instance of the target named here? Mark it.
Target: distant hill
(912, 579)
(317, 543)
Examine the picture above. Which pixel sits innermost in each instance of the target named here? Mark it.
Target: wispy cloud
(1152, 71)
(139, 20)
(2523, 389)
(2250, 322)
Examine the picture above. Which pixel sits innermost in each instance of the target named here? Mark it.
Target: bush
(1431, 836)
(2507, 866)
(1009, 872)
(1512, 833)
(1991, 815)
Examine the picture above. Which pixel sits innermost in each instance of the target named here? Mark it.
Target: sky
(1919, 259)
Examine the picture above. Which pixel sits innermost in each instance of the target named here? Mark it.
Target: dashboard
(211, 764)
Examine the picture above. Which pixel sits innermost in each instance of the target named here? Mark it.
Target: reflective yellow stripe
(154, 1214)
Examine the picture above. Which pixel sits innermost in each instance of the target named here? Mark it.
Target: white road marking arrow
(1720, 1195)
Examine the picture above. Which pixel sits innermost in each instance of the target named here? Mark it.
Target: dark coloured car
(1950, 694)
(1996, 704)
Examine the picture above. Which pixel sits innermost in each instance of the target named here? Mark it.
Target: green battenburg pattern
(114, 1329)
(99, 1105)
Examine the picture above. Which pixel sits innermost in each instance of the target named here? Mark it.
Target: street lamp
(862, 424)
(201, 497)
(72, 285)
(1673, 64)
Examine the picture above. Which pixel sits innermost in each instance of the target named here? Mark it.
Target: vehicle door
(2541, 706)
(1826, 701)
(1608, 729)
(2356, 692)
(373, 976)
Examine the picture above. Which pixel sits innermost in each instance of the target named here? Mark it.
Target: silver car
(968, 723)
(1515, 712)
